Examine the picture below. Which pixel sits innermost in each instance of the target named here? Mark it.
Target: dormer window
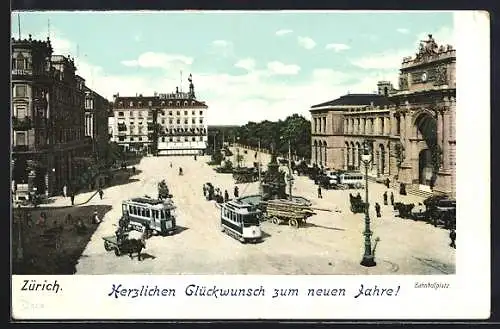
(121, 103)
(131, 104)
(140, 104)
(150, 103)
(163, 103)
(185, 103)
(170, 103)
(178, 103)
(192, 102)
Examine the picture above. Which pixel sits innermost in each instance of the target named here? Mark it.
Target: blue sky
(245, 65)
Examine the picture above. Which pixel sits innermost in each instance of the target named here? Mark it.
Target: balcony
(21, 124)
(22, 72)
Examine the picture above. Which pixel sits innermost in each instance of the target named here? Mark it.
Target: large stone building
(96, 121)
(47, 110)
(180, 117)
(410, 131)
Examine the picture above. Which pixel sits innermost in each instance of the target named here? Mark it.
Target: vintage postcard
(239, 163)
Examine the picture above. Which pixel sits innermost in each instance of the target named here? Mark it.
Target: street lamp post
(368, 257)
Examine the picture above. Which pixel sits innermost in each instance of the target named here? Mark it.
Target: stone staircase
(413, 190)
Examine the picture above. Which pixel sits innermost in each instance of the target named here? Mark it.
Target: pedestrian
(96, 218)
(101, 193)
(65, 191)
(170, 164)
(319, 193)
(226, 196)
(204, 190)
(387, 182)
(377, 209)
(385, 198)
(453, 237)
(358, 196)
(392, 199)
(236, 191)
(72, 199)
(133, 170)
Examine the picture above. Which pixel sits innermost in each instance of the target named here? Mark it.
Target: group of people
(211, 193)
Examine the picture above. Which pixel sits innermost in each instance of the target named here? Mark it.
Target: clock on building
(424, 77)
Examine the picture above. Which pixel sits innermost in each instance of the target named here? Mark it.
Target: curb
(70, 206)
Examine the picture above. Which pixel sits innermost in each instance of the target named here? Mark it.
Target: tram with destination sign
(149, 215)
(241, 221)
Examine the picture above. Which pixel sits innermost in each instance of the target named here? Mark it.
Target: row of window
(237, 218)
(150, 103)
(320, 125)
(369, 126)
(139, 113)
(163, 139)
(144, 212)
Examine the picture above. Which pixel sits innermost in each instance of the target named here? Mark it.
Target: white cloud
(306, 42)
(232, 99)
(246, 63)
(159, 60)
(390, 59)
(283, 32)
(282, 69)
(403, 30)
(337, 47)
(220, 43)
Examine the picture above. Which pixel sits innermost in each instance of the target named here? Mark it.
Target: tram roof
(151, 202)
(240, 207)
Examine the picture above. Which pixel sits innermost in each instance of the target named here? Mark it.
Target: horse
(132, 246)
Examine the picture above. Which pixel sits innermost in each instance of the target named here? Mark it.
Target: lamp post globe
(368, 257)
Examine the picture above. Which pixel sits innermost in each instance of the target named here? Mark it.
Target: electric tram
(150, 215)
(241, 221)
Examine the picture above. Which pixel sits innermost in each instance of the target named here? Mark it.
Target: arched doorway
(316, 152)
(424, 167)
(358, 155)
(320, 151)
(347, 151)
(427, 164)
(382, 159)
(326, 157)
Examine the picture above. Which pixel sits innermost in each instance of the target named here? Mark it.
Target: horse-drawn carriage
(357, 204)
(291, 212)
(163, 191)
(121, 244)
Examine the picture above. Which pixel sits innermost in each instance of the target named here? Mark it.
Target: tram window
(134, 211)
(142, 212)
(162, 214)
(148, 213)
(167, 213)
(130, 209)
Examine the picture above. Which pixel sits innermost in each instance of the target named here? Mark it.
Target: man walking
(319, 193)
(392, 199)
(377, 209)
(101, 193)
(236, 191)
(226, 196)
(72, 199)
(385, 198)
(453, 237)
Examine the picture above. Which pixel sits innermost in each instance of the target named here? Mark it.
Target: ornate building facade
(47, 111)
(96, 121)
(179, 116)
(410, 131)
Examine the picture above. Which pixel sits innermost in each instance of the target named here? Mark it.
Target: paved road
(332, 244)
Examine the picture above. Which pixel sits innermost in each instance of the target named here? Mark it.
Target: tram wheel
(107, 246)
(117, 252)
(275, 220)
(293, 223)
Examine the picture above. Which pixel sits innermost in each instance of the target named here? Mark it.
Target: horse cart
(122, 245)
(357, 204)
(290, 212)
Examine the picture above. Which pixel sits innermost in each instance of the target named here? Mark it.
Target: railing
(22, 72)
